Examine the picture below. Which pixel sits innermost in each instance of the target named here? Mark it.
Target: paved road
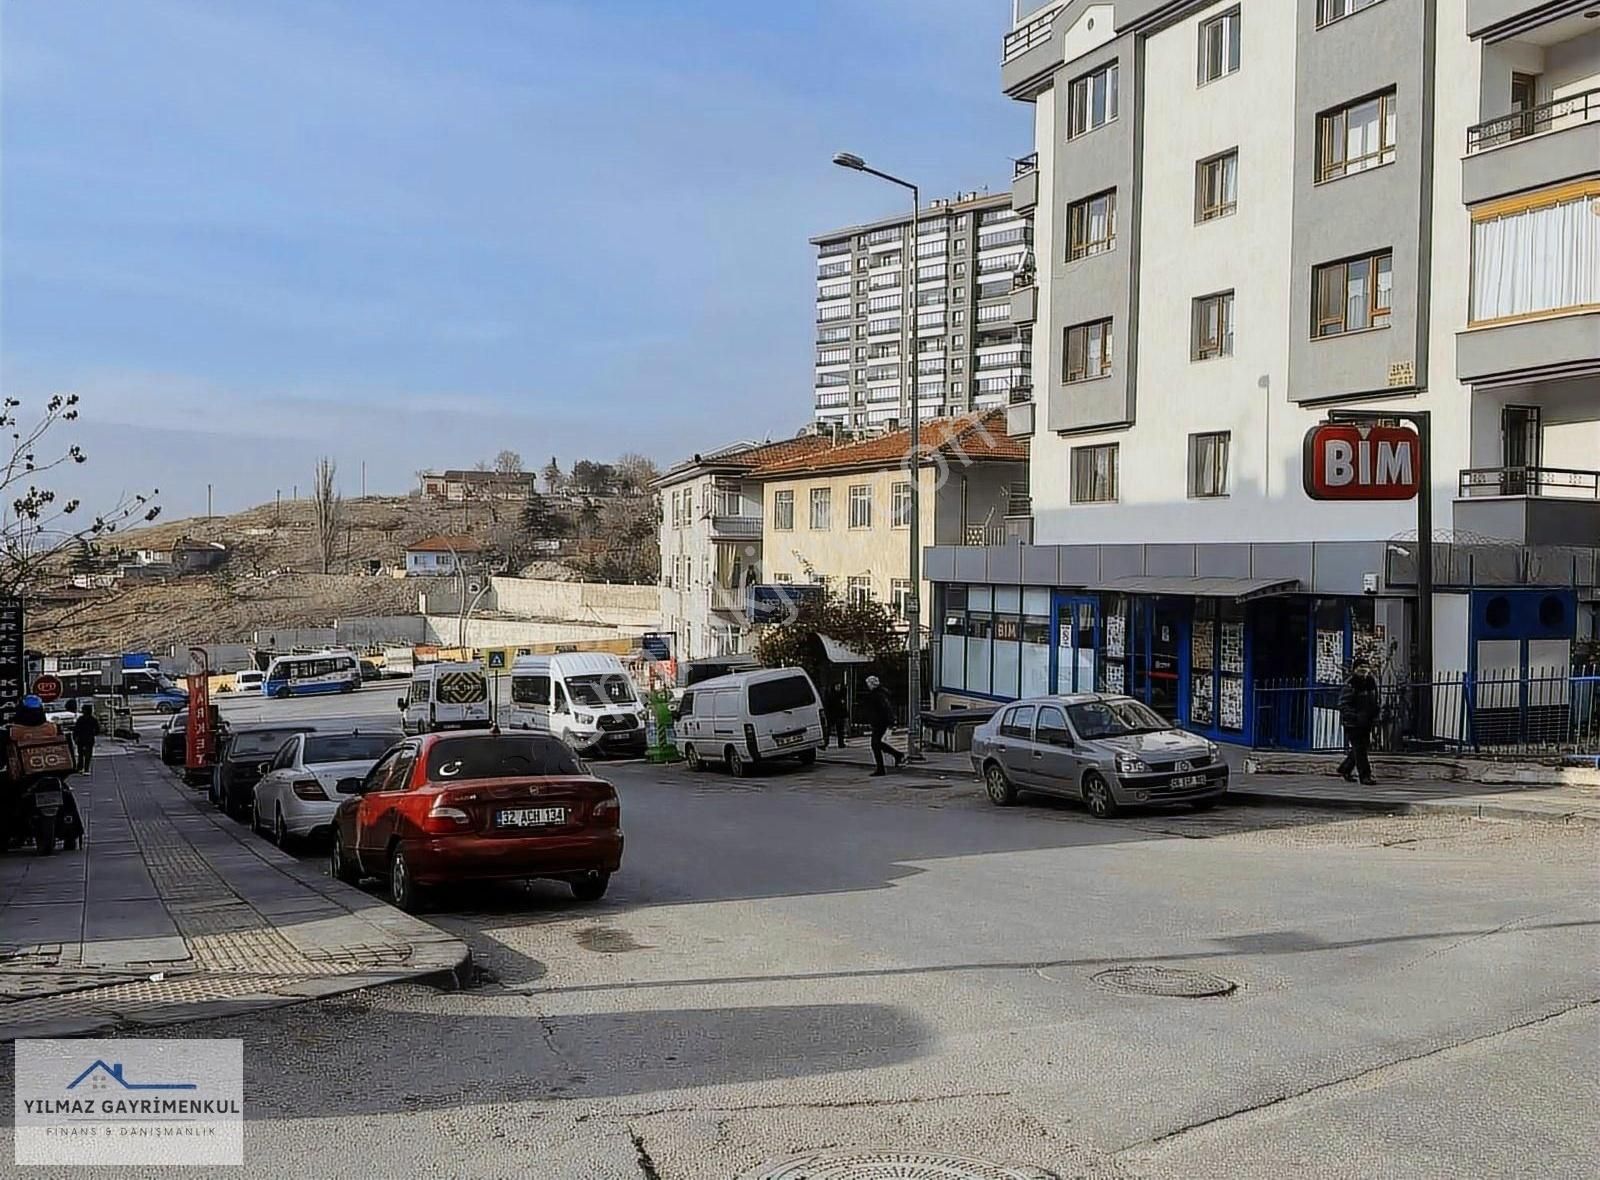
(812, 959)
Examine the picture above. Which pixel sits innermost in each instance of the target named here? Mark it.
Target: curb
(920, 769)
(1411, 807)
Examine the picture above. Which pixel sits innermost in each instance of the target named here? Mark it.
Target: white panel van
(586, 698)
(750, 717)
(445, 696)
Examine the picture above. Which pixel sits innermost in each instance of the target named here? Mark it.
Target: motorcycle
(45, 811)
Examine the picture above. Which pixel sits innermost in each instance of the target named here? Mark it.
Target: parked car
(444, 808)
(1109, 751)
(242, 759)
(445, 696)
(298, 794)
(585, 698)
(249, 681)
(750, 717)
(370, 672)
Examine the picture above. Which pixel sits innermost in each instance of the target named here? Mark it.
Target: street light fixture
(913, 462)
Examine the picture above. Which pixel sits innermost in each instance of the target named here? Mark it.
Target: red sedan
(448, 807)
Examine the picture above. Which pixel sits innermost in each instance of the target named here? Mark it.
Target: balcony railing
(1028, 163)
(1021, 393)
(983, 534)
(829, 249)
(739, 528)
(1547, 116)
(1563, 483)
(1019, 504)
(1025, 37)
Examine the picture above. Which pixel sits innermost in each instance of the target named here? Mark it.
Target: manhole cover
(1164, 981)
(889, 1165)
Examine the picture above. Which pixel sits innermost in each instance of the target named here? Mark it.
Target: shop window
(980, 651)
(1114, 648)
(1329, 640)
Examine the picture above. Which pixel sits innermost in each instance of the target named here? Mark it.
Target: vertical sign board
(1344, 461)
(200, 739)
(13, 659)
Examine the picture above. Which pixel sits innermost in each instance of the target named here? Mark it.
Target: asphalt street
(814, 958)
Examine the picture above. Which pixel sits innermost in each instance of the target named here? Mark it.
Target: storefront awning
(1238, 589)
(838, 653)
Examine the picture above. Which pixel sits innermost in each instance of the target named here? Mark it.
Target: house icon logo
(100, 1076)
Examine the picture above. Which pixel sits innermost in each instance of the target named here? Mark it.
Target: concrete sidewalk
(1562, 804)
(170, 912)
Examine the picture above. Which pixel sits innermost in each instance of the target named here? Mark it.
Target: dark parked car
(242, 760)
(175, 735)
(370, 672)
(447, 807)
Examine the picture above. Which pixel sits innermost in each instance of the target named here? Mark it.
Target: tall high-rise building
(969, 355)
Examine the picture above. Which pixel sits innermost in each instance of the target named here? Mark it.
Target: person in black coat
(880, 716)
(1358, 713)
(836, 712)
(85, 729)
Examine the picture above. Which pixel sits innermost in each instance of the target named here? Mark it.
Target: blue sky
(410, 234)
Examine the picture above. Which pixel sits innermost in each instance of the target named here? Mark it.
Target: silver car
(299, 790)
(1109, 751)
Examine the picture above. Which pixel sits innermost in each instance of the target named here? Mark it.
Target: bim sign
(1346, 462)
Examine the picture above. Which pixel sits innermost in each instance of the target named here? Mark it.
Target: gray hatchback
(1109, 751)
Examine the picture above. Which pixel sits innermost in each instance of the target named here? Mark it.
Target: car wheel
(738, 764)
(405, 892)
(806, 757)
(342, 867)
(692, 759)
(280, 830)
(1097, 796)
(997, 786)
(592, 887)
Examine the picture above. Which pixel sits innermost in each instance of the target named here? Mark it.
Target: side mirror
(348, 786)
(266, 766)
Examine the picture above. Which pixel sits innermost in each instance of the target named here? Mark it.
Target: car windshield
(348, 747)
(499, 756)
(1102, 719)
(611, 688)
(259, 742)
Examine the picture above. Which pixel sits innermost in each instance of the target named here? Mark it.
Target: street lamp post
(913, 466)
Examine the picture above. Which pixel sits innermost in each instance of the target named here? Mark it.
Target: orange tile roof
(743, 458)
(444, 545)
(977, 438)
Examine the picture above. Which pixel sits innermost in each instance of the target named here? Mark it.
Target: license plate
(1185, 781)
(530, 817)
(791, 739)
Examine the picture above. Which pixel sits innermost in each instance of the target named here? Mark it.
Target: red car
(449, 807)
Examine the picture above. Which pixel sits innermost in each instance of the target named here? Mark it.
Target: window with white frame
(860, 506)
(822, 508)
(1092, 101)
(1212, 328)
(900, 505)
(858, 590)
(1094, 474)
(782, 579)
(783, 509)
(1329, 11)
(1208, 464)
(900, 597)
(1540, 259)
(1219, 46)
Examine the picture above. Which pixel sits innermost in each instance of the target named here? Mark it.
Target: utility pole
(208, 501)
(363, 479)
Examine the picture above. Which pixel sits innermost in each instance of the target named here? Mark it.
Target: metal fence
(1551, 710)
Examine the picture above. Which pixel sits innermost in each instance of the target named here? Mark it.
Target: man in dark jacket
(1358, 713)
(836, 711)
(880, 716)
(85, 728)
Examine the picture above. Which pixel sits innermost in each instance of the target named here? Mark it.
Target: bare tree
(636, 472)
(327, 510)
(508, 463)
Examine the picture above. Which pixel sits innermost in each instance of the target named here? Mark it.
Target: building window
(1329, 11)
(900, 597)
(860, 506)
(1092, 101)
(1088, 351)
(782, 579)
(957, 365)
(861, 331)
(1356, 137)
(1352, 296)
(1219, 46)
(1094, 474)
(1092, 225)
(1543, 259)
(783, 510)
(821, 508)
(900, 505)
(861, 286)
(959, 316)
(858, 590)
(957, 295)
(956, 388)
(958, 341)
(1216, 186)
(1208, 465)
(1212, 331)
(961, 269)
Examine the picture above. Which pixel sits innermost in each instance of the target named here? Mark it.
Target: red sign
(1343, 461)
(200, 738)
(47, 688)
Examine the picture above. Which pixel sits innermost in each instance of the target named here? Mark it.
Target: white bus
(314, 672)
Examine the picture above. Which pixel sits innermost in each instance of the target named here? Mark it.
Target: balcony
(1532, 149)
(1019, 519)
(829, 249)
(1019, 410)
(1025, 305)
(1029, 51)
(736, 528)
(725, 600)
(1528, 349)
(1530, 505)
(1025, 186)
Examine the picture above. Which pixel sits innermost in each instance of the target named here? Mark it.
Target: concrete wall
(620, 605)
(286, 638)
(381, 629)
(444, 630)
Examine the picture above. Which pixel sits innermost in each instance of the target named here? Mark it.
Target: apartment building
(1247, 213)
(968, 354)
(711, 543)
(842, 515)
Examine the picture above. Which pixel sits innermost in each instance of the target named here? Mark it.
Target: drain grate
(890, 1165)
(1164, 981)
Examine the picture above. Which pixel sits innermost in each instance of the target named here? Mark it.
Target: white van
(250, 680)
(445, 696)
(585, 698)
(750, 717)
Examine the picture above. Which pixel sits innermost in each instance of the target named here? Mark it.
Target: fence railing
(1563, 482)
(1028, 163)
(1570, 111)
(1553, 710)
(1019, 40)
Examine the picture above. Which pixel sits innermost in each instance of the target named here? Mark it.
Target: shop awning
(1238, 589)
(838, 653)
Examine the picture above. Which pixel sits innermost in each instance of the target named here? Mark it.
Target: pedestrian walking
(85, 728)
(1358, 713)
(836, 712)
(880, 716)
